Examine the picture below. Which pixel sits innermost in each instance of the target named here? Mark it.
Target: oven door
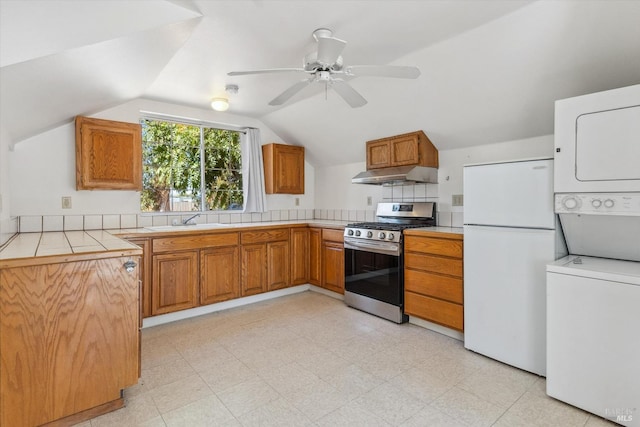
(375, 275)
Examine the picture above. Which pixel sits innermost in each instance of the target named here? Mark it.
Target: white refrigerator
(510, 234)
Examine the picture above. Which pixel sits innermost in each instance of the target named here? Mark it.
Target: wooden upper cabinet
(408, 149)
(283, 169)
(108, 155)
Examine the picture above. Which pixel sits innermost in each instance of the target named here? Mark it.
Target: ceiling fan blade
(329, 49)
(397, 71)
(287, 94)
(349, 94)
(266, 71)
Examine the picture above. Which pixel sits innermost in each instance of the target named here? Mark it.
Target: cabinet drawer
(332, 235)
(444, 247)
(263, 236)
(434, 310)
(434, 264)
(442, 287)
(172, 244)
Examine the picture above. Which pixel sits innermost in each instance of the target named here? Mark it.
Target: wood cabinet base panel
(87, 415)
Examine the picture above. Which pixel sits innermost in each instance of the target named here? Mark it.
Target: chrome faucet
(189, 221)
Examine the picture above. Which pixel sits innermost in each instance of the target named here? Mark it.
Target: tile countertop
(63, 246)
(73, 244)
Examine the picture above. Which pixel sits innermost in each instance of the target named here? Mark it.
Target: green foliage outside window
(172, 155)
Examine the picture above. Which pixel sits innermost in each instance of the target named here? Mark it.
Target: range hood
(397, 175)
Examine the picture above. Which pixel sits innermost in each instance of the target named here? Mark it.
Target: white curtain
(255, 199)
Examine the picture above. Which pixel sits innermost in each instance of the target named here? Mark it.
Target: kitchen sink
(181, 227)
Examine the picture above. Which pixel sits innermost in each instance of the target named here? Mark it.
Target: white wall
(334, 189)
(7, 225)
(42, 168)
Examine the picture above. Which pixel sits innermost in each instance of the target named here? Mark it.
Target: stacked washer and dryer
(593, 295)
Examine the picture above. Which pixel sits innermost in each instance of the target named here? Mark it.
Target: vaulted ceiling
(490, 70)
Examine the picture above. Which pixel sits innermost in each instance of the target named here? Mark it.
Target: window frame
(202, 125)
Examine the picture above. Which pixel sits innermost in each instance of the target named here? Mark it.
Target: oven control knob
(369, 233)
(381, 236)
(358, 233)
(608, 203)
(596, 203)
(390, 236)
(350, 232)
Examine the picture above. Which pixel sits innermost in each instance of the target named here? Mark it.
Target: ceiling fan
(326, 66)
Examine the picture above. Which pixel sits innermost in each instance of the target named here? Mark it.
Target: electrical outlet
(369, 200)
(66, 202)
(297, 201)
(457, 200)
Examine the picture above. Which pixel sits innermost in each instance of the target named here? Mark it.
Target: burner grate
(386, 226)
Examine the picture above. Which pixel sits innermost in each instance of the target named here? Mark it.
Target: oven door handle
(385, 249)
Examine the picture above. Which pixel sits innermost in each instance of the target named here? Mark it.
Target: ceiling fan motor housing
(311, 63)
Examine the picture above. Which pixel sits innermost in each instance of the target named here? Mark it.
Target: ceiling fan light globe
(220, 104)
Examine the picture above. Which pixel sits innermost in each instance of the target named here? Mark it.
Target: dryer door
(608, 145)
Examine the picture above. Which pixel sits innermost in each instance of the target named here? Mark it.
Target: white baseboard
(436, 328)
(212, 308)
(326, 292)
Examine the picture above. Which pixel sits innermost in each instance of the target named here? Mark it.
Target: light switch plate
(457, 200)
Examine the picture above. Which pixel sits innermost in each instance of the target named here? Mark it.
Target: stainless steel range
(374, 262)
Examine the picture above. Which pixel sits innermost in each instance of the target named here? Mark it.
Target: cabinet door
(315, 256)
(145, 275)
(175, 282)
(277, 265)
(378, 154)
(404, 151)
(283, 169)
(289, 170)
(299, 256)
(69, 338)
(254, 269)
(333, 262)
(108, 155)
(219, 274)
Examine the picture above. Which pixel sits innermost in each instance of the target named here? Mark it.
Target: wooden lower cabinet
(333, 266)
(219, 274)
(265, 260)
(254, 269)
(433, 277)
(145, 274)
(175, 282)
(315, 256)
(299, 240)
(332, 260)
(69, 338)
(277, 265)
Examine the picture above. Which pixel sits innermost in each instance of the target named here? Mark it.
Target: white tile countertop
(30, 246)
(63, 243)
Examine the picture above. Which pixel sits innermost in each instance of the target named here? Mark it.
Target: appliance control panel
(627, 204)
(379, 235)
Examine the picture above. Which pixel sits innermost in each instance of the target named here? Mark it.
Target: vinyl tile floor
(308, 360)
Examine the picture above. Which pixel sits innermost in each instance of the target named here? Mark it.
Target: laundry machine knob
(570, 202)
(608, 203)
(596, 203)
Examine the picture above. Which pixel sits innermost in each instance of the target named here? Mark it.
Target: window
(187, 167)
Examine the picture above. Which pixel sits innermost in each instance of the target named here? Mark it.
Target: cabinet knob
(130, 266)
